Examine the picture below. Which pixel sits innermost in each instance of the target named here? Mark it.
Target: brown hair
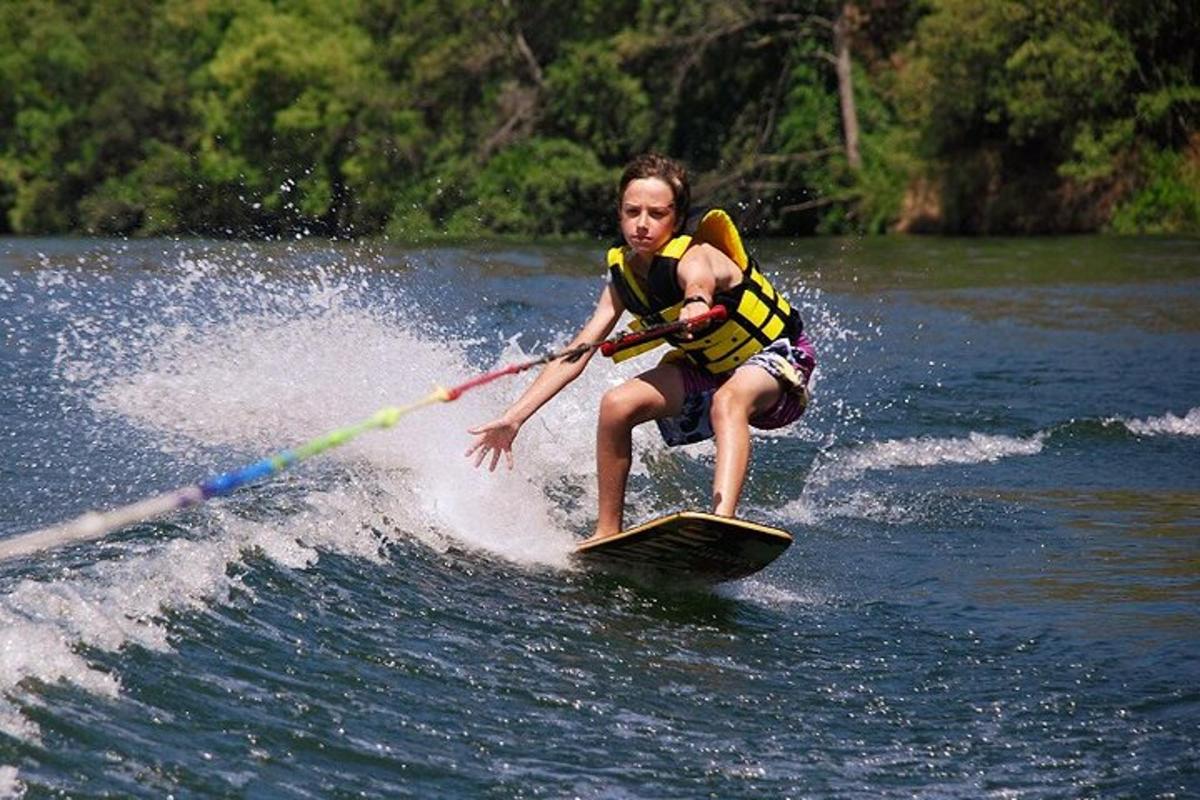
(670, 172)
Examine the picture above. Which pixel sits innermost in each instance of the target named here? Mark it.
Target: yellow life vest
(758, 315)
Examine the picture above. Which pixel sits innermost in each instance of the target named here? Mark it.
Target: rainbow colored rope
(96, 524)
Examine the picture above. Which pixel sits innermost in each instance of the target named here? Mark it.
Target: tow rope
(96, 524)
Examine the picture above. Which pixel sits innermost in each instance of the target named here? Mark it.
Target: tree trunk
(841, 49)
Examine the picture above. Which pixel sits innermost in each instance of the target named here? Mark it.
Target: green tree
(592, 101)
(295, 111)
(550, 187)
(1028, 112)
(259, 117)
(44, 69)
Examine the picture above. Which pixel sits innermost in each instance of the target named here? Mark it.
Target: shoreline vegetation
(463, 118)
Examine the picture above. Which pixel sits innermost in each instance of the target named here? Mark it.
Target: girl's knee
(652, 395)
(618, 406)
(750, 392)
(729, 408)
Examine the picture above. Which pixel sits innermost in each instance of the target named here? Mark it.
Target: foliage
(1025, 107)
(462, 117)
(548, 186)
(1169, 199)
(590, 100)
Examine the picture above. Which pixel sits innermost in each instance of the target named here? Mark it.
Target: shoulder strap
(717, 228)
(627, 287)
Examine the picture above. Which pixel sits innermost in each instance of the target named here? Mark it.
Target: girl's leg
(656, 393)
(751, 391)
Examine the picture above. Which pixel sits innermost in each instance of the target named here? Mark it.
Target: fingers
(494, 439)
(692, 325)
(479, 449)
(482, 432)
(496, 453)
(483, 448)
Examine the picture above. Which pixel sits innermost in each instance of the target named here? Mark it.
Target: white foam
(1166, 425)
(830, 490)
(120, 603)
(762, 593)
(10, 787)
(976, 448)
(109, 606)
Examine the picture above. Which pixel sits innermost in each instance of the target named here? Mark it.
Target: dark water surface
(994, 591)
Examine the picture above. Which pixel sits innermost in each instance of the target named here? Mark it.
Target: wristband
(697, 299)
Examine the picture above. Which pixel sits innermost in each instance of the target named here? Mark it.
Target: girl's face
(647, 215)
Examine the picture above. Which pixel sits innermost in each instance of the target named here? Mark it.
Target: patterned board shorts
(791, 362)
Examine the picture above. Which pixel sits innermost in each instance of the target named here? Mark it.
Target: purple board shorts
(791, 362)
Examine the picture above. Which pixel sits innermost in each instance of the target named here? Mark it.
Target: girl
(751, 369)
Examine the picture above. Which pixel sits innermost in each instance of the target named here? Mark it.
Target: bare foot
(599, 534)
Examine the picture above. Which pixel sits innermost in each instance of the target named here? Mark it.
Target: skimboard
(691, 545)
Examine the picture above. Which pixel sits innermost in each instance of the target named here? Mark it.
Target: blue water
(995, 496)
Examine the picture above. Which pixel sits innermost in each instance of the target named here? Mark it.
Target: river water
(994, 590)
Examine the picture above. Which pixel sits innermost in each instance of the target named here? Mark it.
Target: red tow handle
(627, 340)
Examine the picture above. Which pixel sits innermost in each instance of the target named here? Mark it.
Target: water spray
(97, 524)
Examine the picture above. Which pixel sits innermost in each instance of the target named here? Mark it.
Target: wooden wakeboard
(690, 545)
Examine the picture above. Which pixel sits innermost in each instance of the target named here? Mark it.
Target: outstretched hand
(496, 438)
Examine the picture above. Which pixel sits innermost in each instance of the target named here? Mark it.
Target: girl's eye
(655, 213)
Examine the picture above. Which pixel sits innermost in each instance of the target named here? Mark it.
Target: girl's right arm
(496, 437)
